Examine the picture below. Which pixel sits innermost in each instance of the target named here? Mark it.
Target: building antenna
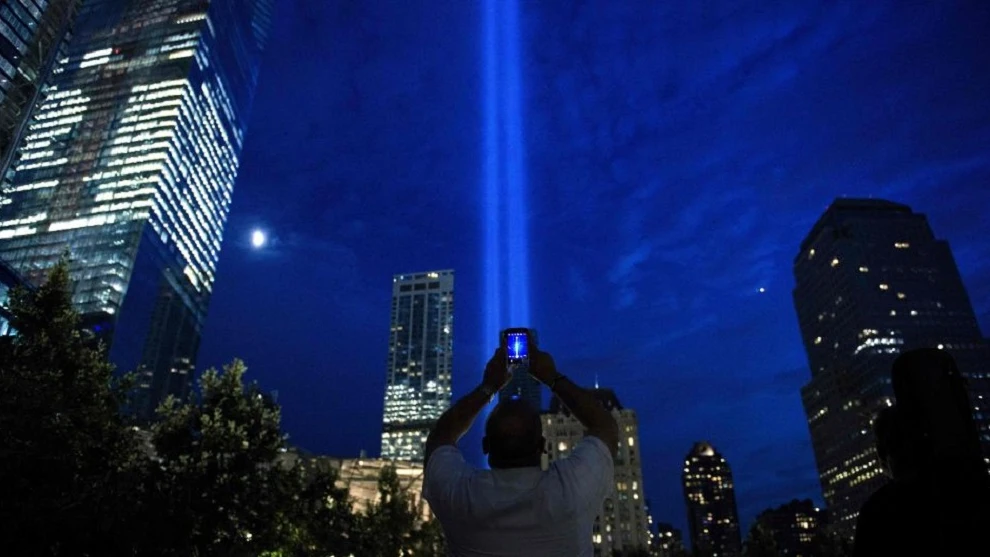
(596, 379)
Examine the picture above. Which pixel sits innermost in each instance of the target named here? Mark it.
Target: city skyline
(128, 168)
(677, 155)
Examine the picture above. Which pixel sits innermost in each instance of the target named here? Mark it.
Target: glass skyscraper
(710, 497)
(128, 167)
(33, 35)
(420, 359)
(873, 281)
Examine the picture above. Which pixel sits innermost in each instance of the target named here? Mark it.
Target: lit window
(864, 269)
(811, 253)
(893, 312)
(914, 312)
(902, 245)
(632, 442)
(562, 446)
(941, 347)
(818, 340)
(901, 296)
(835, 261)
(884, 286)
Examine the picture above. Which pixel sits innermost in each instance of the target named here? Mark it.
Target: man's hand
(497, 373)
(541, 366)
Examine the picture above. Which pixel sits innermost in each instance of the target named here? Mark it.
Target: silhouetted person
(937, 500)
(516, 508)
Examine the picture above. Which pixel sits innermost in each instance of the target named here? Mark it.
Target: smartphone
(516, 344)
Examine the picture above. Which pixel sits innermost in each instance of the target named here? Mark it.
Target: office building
(129, 165)
(873, 281)
(710, 497)
(621, 525)
(667, 542)
(420, 360)
(794, 527)
(33, 37)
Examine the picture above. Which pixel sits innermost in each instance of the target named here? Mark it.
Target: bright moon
(762, 290)
(257, 238)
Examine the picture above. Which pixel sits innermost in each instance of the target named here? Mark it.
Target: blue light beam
(506, 211)
(492, 177)
(516, 176)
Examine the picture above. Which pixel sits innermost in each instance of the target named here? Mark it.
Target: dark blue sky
(677, 152)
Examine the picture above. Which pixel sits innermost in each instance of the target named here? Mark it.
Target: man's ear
(484, 445)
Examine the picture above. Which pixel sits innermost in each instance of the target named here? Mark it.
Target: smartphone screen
(517, 347)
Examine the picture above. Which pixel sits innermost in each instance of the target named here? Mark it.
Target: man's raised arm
(457, 420)
(581, 402)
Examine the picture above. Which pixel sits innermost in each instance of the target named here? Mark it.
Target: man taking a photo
(516, 508)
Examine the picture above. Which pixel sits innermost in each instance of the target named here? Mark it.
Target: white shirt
(519, 512)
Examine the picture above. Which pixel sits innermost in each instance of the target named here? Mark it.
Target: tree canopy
(211, 477)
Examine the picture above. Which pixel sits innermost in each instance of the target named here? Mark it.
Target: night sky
(677, 152)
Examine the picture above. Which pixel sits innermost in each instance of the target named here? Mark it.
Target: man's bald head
(513, 435)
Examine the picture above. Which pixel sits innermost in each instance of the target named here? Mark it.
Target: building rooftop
(845, 206)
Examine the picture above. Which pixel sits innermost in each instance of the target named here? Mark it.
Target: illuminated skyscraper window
(129, 166)
(897, 289)
(420, 359)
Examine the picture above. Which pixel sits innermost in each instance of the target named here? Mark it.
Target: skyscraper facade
(128, 166)
(420, 360)
(33, 36)
(710, 497)
(622, 525)
(873, 281)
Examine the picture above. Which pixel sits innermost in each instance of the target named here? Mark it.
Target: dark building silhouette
(710, 497)
(129, 162)
(872, 282)
(793, 527)
(667, 541)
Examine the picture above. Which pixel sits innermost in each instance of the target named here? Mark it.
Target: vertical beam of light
(515, 170)
(492, 201)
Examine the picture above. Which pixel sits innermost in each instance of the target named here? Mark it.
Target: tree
(319, 522)
(760, 542)
(215, 486)
(828, 543)
(65, 452)
(393, 526)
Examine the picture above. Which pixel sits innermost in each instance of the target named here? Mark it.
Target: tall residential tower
(710, 497)
(420, 360)
(873, 281)
(128, 166)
